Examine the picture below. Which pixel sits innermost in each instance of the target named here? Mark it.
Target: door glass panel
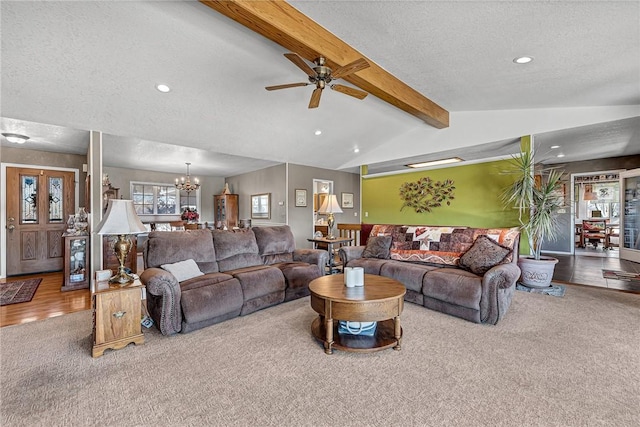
(55, 200)
(631, 213)
(28, 199)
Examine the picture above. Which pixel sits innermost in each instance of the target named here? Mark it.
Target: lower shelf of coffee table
(382, 339)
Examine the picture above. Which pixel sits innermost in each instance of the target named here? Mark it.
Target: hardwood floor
(49, 301)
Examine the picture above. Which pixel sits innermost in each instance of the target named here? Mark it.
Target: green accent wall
(476, 204)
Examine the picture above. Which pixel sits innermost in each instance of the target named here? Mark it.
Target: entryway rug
(18, 291)
(621, 275)
(555, 290)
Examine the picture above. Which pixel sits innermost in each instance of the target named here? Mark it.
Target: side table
(117, 312)
(330, 242)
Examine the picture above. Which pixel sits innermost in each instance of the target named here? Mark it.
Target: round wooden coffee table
(380, 299)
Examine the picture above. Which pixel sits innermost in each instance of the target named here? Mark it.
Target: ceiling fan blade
(315, 98)
(296, 59)
(286, 86)
(350, 91)
(353, 67)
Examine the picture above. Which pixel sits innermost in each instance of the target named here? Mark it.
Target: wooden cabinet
(225, 210)
(110, 260)
(117, 312)
(76, 259)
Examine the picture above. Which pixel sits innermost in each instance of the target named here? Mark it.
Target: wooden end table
(117, 312)
(381, 299)
(330, 242)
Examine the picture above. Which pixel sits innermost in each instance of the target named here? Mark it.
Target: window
(159, 199)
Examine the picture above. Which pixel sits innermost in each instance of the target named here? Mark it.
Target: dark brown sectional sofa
(427, 260)
(238, 272)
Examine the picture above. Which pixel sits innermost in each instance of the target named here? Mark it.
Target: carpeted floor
(551, 361)
(18, 291)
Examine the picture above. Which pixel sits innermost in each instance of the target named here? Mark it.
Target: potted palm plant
(538, 203)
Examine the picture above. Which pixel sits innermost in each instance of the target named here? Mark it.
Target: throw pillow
(183, 270)
(377, 247)
(484, 254)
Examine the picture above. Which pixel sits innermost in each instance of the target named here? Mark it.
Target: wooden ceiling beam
(288, 27)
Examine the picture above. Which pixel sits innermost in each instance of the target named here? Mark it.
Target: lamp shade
(330, 205)
(121, 218)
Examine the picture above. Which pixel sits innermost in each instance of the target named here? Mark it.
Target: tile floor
(585, 268)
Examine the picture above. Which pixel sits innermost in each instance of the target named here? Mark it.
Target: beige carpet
(568, 361)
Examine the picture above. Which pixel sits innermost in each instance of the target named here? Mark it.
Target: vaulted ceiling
(69, 67)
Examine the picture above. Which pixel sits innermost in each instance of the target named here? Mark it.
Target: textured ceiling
(93, 65)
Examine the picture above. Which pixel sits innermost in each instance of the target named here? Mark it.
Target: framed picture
(347, 200)
(261, 206)
(301, 198)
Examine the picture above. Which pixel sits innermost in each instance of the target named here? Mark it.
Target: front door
(39, 202)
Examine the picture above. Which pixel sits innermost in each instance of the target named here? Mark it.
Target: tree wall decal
(426, 194)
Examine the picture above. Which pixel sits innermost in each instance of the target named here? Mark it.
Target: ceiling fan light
(15, 138)
(163, 88)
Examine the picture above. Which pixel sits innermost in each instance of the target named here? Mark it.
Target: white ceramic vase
(537, 273)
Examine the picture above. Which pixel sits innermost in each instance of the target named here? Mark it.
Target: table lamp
(121, 220)
(329, 207)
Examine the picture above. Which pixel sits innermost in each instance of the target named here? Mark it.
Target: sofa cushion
(205, 280)
(215, 300)
(370, 265)
(260, 280)
(409, 274)
(236, 250)
(274, 240)
(165, 247)
(506, 237)
(454, 286)
(298, 275)
(377, 247)
(483, 255)
(183, 270)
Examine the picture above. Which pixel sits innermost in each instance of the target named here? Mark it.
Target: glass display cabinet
(76, 263)
(225, 211)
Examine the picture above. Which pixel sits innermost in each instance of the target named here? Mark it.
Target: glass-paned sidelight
(56, 210)
(28, 199)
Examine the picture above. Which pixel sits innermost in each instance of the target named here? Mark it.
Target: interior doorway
(596, 212)
(322, 189)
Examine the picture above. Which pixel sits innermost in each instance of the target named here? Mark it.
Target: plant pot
(537, 273)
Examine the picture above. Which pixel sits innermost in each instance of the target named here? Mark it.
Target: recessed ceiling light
(356, 150)
(523, 60)
(560, 155)
(163, 88)
(435, 162)
(553, 147)
(15, 138)
(318, 132)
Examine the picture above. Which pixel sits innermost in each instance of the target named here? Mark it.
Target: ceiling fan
(321, 76)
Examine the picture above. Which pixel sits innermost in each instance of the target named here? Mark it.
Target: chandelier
(183, 184)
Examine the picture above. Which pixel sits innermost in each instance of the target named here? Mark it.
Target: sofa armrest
(312, 256)
(163, 299)
(498, 285)
(349, 253)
